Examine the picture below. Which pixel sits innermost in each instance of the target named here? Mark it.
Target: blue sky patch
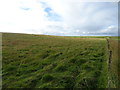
(51, 15)
(48, 10)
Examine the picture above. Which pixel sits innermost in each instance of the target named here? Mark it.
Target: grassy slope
(51, 61)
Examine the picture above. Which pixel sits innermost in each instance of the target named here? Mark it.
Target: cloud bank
(59, 17)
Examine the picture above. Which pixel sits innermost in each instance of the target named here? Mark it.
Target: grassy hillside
(41, 61)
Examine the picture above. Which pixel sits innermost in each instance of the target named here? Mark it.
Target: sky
(59, 17)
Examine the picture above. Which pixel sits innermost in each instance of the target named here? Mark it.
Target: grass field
(42, 61)
(114, 73)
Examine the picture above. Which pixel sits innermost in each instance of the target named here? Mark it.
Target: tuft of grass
(47, 78)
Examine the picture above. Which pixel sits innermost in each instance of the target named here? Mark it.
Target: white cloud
(29, 16)
(15, 19)
(110, 29)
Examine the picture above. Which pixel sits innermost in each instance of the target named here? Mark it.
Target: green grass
(90, 36)
(114, 73)
(42, 61)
